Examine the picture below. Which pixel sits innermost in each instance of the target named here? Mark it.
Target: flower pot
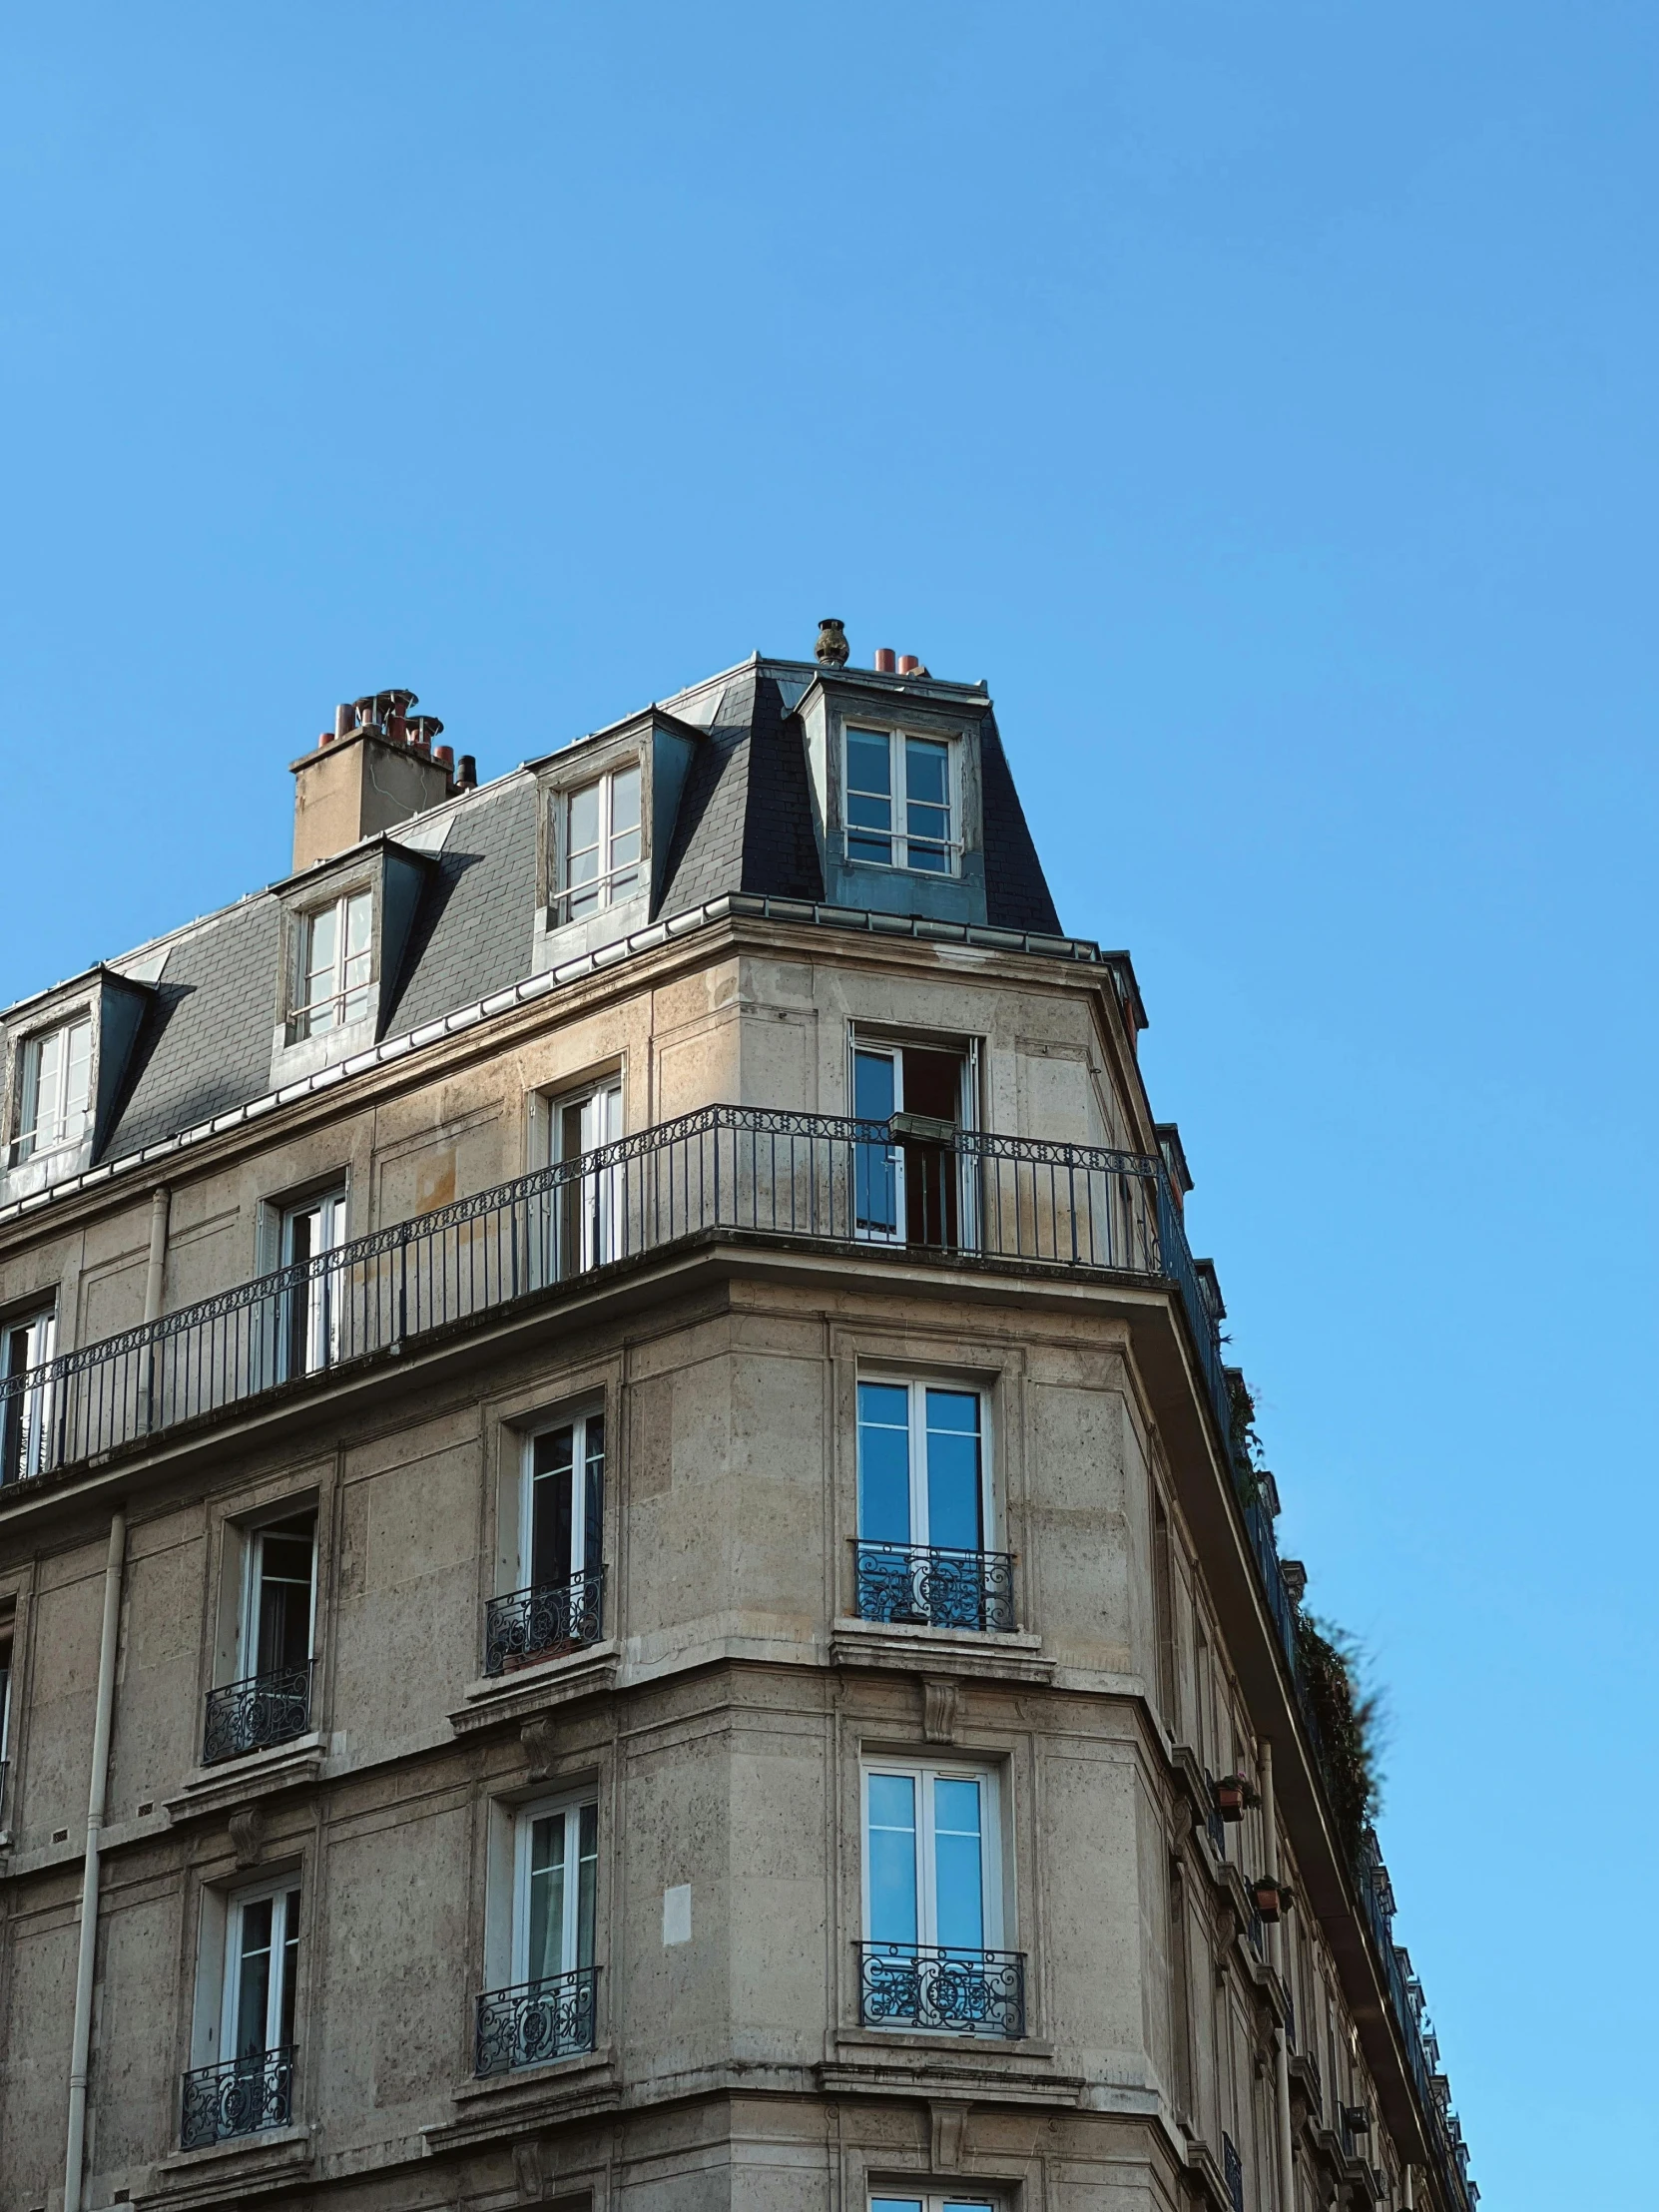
(1230, 1797)
(1268, 1899)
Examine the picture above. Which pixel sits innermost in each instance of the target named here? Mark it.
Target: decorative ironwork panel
(238, 2097)
(540, 1622)
(536, 2021)
(257, 1712)
(942, 1589)
(965, 1992)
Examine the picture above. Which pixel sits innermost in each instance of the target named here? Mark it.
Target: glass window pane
(359, 922)
(289, 1969)
(927, 772)
(958, 1873)
(546, 1899)
(885, 1462)
(893, 1858)
(624, 800)
(77, 1076)
(955, 1494)
(582, 818)
(869, 761)
(593, 1503)
(587, 1850)
(252, 1995)
(551, 1503)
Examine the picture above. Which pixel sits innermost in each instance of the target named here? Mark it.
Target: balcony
(242, 2096)
(255, 1712)
(942, 1991)
(925, 1586)
(535, 2022)
(543, 1623)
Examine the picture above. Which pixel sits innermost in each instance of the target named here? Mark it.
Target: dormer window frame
(351, 1000)
(616, 876)
(27, 1058)
(903, 835)
(564, 778)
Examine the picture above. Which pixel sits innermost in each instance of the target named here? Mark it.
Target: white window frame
(253, 1583)
(617, 880)
(285, 1894)
(926, 1774)
(340, 1000)
(26, 1417)
(569, 1806)
(898, 833)
(595, 1197)
(316, 1305)
(577, 1422)
(893, 1049)
(895, 2197)
(70, 1123)
(916, 1387)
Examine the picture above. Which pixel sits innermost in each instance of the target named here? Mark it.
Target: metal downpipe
(81, 2042)
(1276, 1953)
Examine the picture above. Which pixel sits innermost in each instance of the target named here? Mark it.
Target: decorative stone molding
(939, 1706)
(247, 1834)
(950, 2129)
(539, 1738)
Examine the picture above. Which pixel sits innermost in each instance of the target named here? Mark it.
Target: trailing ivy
(1347, 1720)
(1242, 1436)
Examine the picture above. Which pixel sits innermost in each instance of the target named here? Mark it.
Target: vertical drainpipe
(87, 1954)
(1411, 2190)
(82, 2040)
(1275, 1955)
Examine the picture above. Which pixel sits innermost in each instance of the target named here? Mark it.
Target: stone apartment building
(625, 1577)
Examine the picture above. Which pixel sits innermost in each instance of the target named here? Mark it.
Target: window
(308, 1336)
(599, 844)
(560, 1605)
(898, 801)
(25, 1396)
(883, 2200)
(916, 1188)
(270, 1701)
(5, 1727)
(933, 1904)
(251, 2084)
(587, 1205)
(924, 1508)
(549, 2010)
(334, 965)
(54, 1087)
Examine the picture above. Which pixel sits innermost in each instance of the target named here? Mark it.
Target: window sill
(292, 1063)
(1008, 1657)
(527, 2098)
(42, 1169)
(903, 2064)
(205, 2176)
(232, 1782)
(510, 1697)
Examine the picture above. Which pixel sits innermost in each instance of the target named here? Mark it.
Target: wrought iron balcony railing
(536, 2021)
(544, 1620)
(238, 2097)
(917, 1583)
(942, 1988)
(1232, 2169)
(735, 1172)
(258, 1711)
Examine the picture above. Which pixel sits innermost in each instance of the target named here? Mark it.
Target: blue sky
(1261, 400)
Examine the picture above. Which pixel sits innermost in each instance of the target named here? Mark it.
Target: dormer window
(900, 804)
(333, 967)
(54, 1090)
(599, 844)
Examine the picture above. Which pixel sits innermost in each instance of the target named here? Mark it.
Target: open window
(26, 1393)
(933, 1954)
(558, 1604)
(245, 2016)
(546, 1940)
(926, 1508)
(309, 1330)
(588, 1210)
(267, 1699)
(916, 1187)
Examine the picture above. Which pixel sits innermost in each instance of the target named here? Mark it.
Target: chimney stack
(375, 769)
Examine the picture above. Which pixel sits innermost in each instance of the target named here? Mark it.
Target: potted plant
(1269, 1897)
(1230, 1797)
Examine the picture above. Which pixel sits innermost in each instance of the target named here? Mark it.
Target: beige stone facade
(678, 1796)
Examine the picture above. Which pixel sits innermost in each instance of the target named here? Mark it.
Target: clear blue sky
(1262, 399)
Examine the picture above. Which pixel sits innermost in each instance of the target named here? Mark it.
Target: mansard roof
(744, 825)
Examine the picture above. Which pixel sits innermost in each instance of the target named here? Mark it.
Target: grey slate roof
(744, 823)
